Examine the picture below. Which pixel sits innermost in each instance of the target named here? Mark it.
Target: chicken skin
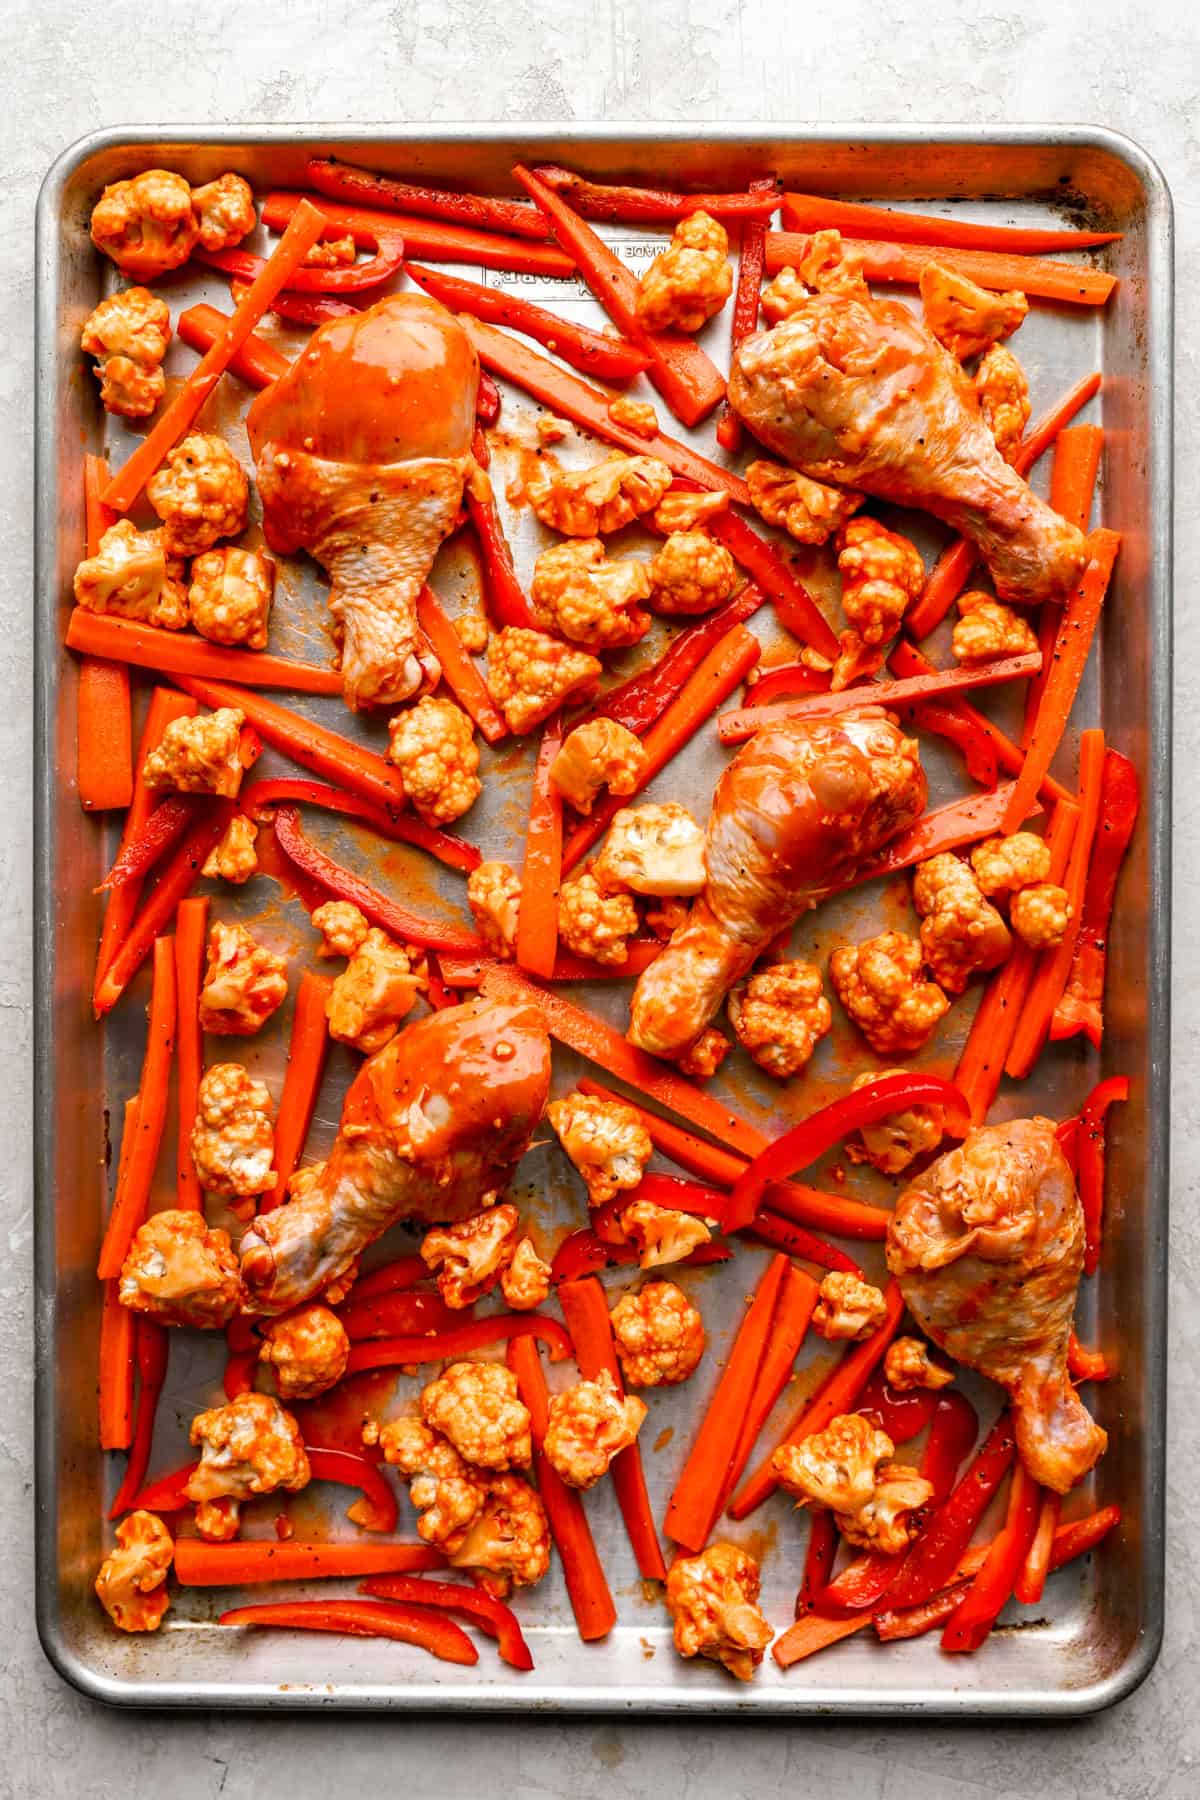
(987, 1246)
(795, 813)
(432, 1128)
(362, 448)
(859, 393)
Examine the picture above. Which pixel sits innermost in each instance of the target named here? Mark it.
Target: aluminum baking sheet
(1097, 1632)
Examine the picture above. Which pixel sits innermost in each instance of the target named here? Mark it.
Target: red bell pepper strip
(644, 697)
(390, 1278)
(969, 1626)
(798, 1295)
(592, 352)
(537, 919)
(584, 1253)
(136, 1175)
(812, 1137)
(161, 832)
(248, 1563)
(349, 278)
(764, 564)
(620, 204)
(783, 679)
(240, 1367)
(458, 671)
(117, 1352)
(363, 1618)
(692, 1197)
(378, 1510)
(504, 598)
(438, 239)
(179, 653)
(303, 309)
(979, 752)
(103, 712)
(308, 1048)
(165, 1495)
(402, 1314)
(487, 400)
(743, 321)
(454, 851)
(817, 212)
(1080, 1007)
(489, 1614)
(342, 181)
(1035, 276)
(945, 828)
(902, 1416)
(191, 931)
(934, 1558)
(387, 1353)
(1092, 1122)
(819, 1558)
(796, 1240)
(396, 920)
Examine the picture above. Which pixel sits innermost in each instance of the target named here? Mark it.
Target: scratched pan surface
(1097, 1631)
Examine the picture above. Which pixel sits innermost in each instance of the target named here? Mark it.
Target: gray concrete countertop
(70, 66)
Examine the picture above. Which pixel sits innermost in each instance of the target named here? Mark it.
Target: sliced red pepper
(458, 670)
(934, 1558)
(693, 1197)
(350, 278)
(151, 1350)
(390, 1278)
(179, 875)
(396, 1315)
(969, 1626)
(440, 240)
(797, 1240)
(743, 321)
(623, 205)
(783, 679)
(378, 1510)
(1081, 1007)
(240, 1366)
(386, 1353)
(584, 1253)
(341, 181)
(902, 1416)
(487, 400)
(363, 1618)
(1092, 1160)
(965, 731)
(302, 309)
(489, 1614)
(793, 603)
(401, 828)
(162, 831)
(593, 352)
(503, 596)
(819, 1559)
(644, 697)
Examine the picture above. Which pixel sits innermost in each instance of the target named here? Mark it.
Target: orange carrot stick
(1031, 1580)
(117, 1327)
(133, 1194)
(104, 720)
(735, 727)
(797, 1300)
(307, 1050)
(1072, 483)
(537, 921)
(182, 653)
(246, 1564)
(257, 362)
(191, 930)
(945, 828)
(816, 212)
(1035, 276)
(458, 671)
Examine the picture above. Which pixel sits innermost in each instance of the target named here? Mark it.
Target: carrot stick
(696, 1501)
(722, 670)
(341, 181)
(813, 1633)
(183, 653)
(795, 606)
(1072, 484)
(684, 375)
(104, 721)
(1035, 276)
(257, 362)
(838, 1394)
(591, 1601)
(295, 244)
(442, 241)
(537, 922)
(744, 317)
(248, 1563)
(458, 671)
(116, 1327)
(735, 727)
(585, 1309)
(945, 828)
(504, 599)
(191, 931)
(307, 1050)
(1031, 1580)
(816, 212)
(1053, 966)
(133, 1194)
(797, 1301)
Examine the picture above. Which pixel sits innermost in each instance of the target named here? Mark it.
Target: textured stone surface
(69, 68)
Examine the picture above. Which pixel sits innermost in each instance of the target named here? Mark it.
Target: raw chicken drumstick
(795, 813)
(432, 1128)
(987, 1246)
(362, 448)
(859, 393)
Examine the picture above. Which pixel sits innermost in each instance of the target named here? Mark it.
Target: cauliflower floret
(836, 1468)
(712, 1599)
(129, 576)
(665, 920)
(848, 1309)
(476, 1406)
(662, 1234)
(308, 1350)
(637, 416)
(879, 984)
(593, 923)
(1040, 914)
(333, 253)
(199, 755)
(656, 849)
(433, 746)
(551, 429)
(889, 1521)
(525, 1283)
(224, 211)
(494, 897)
(588, 503)
(988, 629)
(132, 1583)
(200, 494)
(179, 1272)
(890, 1144)
(691, 574)
(1004, 864)
(230, 596)
(509, 1543)
(578, 593)
(810, 511)
(659, 1335)
(965, 318)
(244, 983)
(250, 1446)
(128, 389)
(1003, 395)
(233, 1138)
(605, 1140)
(587, 1426)
(375, 992)
(961, 932)
(689, 282)
(448, 1495)
(468, 1257)
(823, 266)
(907, 1364)
(682, 510)
(235, 858)
(881, 573)
(780, 1016)
(530, 675)
(473, 631)
(146, 225)
(599, 753)
(128, 335)
(343, 928)
(703, 1058)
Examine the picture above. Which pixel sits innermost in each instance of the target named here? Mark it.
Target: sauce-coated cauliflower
(890, 1144)
(703, 1058)
(597, 754)
(530, 675)
(244, 983)
(593, 923)
(147, 225)
(235, 858)
(689, 282)
(375, 992)
(667, 918)
(848, 1308)
(965, 318)
(473, 632)
(509, 1542)
(179, 1272)
(682, 510)
(342, 927)
(780, 1016)
(662, 1234)
(250, 1446)
(1040, 914)
(713, 1601)
(233, 1138)
(494, 897)
(580, 595)
(468, 1257)
(659, 1335)
(199, 755)
(200, 493)
(433, 746)
(308, 1350)
(961, 932)
(1004, 864)
(988, 629)
(846, 1468)
(890, 1519)
(588, 503)
(129, 576)
(637, 416)
(1003, 395)
(447, 1494)
(588, 1425)
(605, 1140)
(224, 211)
(477, 1407)
(691, 574)
(656, 849)
(128, 335)
(525, 1283)
(823, 265)
(907, 1364)
(882, 573)
(810, 511)
(132, 1583)
(230, 596)
(879, 984)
